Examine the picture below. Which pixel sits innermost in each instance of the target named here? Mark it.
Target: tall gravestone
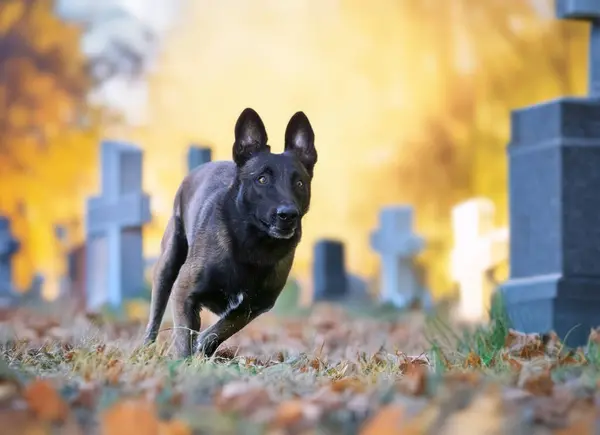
(198, 155)
(9, 246)
(114, 264)
(330, 280)
(397, 247)
(554, 190)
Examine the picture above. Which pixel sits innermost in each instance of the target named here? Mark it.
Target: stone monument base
(569, 306)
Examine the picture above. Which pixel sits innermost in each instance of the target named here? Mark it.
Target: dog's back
(201, 195)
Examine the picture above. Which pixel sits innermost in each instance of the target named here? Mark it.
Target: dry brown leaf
(344, 384)
(388, 421)
(408, 362)
(473, 360)
(289, 413)
(173, 427)
(538, 384)
(130, 417)
(523, 345)
(414, 382)
(45, 402)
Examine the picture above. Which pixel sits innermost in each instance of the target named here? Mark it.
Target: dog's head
(274, 189)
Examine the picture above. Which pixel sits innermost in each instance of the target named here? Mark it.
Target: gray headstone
(554, 193)
(329, 271)
(397, 247)
(115, 264)
(9, 246)
(197, 156)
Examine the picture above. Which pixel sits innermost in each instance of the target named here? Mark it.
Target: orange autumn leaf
(129, 417)
(173, 427)
(345, 384)
(386, 422)
(473, 360)
(289, 413)
(45, 402)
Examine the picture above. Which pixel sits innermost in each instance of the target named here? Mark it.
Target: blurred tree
(476, 62)
(48, 129)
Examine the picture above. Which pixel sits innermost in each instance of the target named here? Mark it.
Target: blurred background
(410, 101)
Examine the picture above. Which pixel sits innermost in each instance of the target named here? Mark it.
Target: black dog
(230, 243)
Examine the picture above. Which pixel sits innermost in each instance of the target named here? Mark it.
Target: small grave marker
(197, 156)
(330, 281)
(398, 246)
(9, 246)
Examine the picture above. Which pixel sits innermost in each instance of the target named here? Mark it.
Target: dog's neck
(250, 244)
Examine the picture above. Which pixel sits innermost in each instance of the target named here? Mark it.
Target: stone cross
(554, 202)
(398, 246)
(9, 246)
(330, 281)
(478, 249)
(115, 266)
(197, 156)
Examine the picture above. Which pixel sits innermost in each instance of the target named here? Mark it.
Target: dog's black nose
(287, 213)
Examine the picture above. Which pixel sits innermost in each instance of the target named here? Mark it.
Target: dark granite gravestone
(9, 246)
(114, 263)
(197, 156)
(554, 191)
(329, 271)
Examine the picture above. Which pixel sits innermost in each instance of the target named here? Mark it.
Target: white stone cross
(478, 248)
(397, 246)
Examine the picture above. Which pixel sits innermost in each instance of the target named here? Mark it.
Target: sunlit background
(410, 102)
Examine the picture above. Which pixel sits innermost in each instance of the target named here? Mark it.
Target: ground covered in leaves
(329, 371)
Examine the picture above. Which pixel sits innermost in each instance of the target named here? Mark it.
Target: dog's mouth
(278, 232)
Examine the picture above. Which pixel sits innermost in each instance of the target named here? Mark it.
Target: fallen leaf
(289, 413)
(414, 382)
(45, 402)
(538, 384)
(523, 345)
(344, 384)
(473, 360)
(130, 417)
(386, 422)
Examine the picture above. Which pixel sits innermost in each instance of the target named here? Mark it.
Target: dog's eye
(262, 179)
(299, 184)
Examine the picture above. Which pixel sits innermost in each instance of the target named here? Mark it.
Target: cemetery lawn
(327, 371)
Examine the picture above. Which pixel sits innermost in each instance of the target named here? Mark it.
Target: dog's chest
(253, 289)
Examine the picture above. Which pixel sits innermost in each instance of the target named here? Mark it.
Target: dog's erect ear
(250, 136)
(300, 140)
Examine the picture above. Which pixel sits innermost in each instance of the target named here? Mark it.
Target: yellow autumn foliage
(48, 140)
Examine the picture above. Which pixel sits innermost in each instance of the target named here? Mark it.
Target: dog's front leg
(186, 310)
(231, 322)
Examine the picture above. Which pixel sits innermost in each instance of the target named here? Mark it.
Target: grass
(328, 369)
